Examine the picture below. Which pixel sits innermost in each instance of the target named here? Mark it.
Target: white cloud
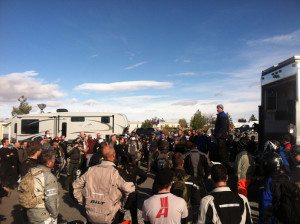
(14, 85)
(140, 98)
(90, 102)
(94, 55)
(124, 86)
(54, 103)
(135, 65)
(290, 38)
(186, 61)
(185, 103)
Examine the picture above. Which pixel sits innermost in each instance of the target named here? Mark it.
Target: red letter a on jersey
(163, 211)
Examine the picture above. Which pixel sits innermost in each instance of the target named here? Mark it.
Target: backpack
(193, 164)
(286, 202)
(179, 187)
(27, 198)
(134, 150)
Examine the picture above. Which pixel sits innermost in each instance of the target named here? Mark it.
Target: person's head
(109, 153)
(98, 135)
(103, 144)
(47, 158)
(178, 160)
(82, 134)
(55, 142)
(219, 173)
(252, 138)
(114, 138)
(17, 145)
(164, 179)
(24, 144)
(47, 134)
(164, 146)
(5, 142)
(34, 149)
(220, 108)
(180, 133)
(121, 140)
(190, 145)
(200, 132)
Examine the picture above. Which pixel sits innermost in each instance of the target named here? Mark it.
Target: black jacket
(221, 126)
(9, 162)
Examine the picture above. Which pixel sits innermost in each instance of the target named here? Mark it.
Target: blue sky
(143, 58)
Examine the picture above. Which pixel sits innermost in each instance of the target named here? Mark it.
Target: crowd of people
(103, 176)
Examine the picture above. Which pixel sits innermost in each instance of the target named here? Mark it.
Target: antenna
(42, 106)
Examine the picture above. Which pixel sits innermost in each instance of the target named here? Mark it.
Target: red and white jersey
(165, 208)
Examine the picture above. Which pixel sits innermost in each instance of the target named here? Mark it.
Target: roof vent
(61, 110)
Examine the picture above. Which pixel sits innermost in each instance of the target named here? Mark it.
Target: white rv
(279, 112)
(69, 124)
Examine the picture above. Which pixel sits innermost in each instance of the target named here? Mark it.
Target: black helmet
(271, 163)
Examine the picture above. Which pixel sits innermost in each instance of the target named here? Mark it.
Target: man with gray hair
(221, 133)
(106, 191)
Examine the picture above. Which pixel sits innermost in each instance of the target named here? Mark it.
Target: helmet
(271, 163)
(270, 146)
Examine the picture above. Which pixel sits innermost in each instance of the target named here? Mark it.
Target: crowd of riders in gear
(269, 175)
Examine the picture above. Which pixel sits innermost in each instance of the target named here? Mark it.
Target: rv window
(77, 119)
(271, 100)
(16, 128)
(30, 126)
(105, 120)
(64, 129)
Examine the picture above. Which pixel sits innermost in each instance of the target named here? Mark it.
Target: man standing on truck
(221, 133)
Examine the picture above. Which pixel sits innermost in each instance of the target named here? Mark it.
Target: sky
(145, 59)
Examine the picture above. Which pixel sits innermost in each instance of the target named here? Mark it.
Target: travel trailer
(279, 113)
(69, 124)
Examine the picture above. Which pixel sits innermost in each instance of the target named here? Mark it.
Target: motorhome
(69, 124)
(279, 113)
